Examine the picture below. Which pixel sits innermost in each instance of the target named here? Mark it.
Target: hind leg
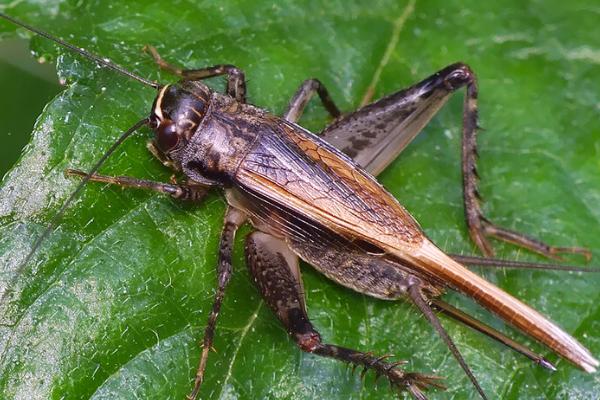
(376, 134)
(274, 269)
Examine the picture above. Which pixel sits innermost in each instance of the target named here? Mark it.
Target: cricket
(315, 198)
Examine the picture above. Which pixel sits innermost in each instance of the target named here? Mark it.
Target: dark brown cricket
(314, 198)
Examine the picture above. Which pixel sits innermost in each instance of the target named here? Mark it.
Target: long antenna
(102, 61)
(59, 214)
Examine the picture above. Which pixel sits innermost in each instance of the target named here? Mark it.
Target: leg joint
(308, 342)
(458, 75)
(312, 84)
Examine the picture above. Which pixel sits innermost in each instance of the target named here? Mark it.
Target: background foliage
(114, 303)
(26, 88)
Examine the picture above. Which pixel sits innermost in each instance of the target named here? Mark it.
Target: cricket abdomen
(350, 266)
(350, 262)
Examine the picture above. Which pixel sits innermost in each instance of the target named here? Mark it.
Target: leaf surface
(114, 303)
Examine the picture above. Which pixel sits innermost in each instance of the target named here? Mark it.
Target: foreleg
(190, 192)
(236, 80)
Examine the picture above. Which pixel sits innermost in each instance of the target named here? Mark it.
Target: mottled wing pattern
(375, 134)
(291, 166)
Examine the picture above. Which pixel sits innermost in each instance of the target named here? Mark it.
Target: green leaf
(114, 303)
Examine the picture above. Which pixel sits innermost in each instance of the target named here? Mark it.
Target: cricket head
(176, 114)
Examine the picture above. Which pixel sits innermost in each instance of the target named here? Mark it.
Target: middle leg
(307, 89)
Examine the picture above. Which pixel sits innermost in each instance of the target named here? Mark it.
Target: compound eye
(166, 135)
